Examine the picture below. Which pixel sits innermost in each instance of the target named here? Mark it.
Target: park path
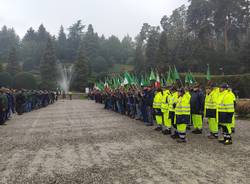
(80, 142)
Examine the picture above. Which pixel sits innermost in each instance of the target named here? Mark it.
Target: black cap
(181, 90)
(224, 86)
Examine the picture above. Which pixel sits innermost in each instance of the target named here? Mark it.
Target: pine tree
(48, 67)
(13, 66)
(81, 70)
(152, 47)
(163, 53)
(61, 45)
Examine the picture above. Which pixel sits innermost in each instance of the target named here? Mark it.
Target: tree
(99, 64)
(5, 79)
(1, 67)
(30, 52)
(81, 70)
(244, 57)
(13, 66)
(74, 40)
(61, 46)
(91, 46)
(163, 53)
(8, 41)
(48, 68)
(24, 80)
(128, 50)
(152, 47)
(139, 60)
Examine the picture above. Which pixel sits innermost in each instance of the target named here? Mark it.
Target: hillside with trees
(214, 32)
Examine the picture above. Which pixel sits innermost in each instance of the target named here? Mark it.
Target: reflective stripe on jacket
(157, 100)
(183, 105)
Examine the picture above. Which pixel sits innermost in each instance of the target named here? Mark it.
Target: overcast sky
(118, 17)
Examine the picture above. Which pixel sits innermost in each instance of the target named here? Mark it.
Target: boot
(228, 142)
(197, 131)
(175, 135)
(222, 140)
(233, 130)
(213, 136)
(166, 132)
(158, 128)
(182, 140)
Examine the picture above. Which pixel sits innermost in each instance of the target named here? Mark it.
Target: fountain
(65, 76)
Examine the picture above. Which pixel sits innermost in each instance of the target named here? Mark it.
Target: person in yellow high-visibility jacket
(172, 99)
(182, 114)
(225, 113)
(165, 112)
(157, 109)
(212, 93)
(233, 120)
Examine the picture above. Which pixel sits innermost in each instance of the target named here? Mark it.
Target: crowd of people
(22, 101)
(175, 110)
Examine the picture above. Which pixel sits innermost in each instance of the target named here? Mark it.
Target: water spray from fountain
(65, 76)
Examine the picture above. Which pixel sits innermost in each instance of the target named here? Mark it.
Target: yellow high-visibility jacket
(183, 105)
(164, 104)
(157, 100)
(172, 99)
(225, 102)
(210, 101)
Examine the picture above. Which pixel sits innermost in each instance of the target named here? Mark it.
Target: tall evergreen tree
(61, 45)
(139, 60)
(81, 70)
(163, 53)
(30, 51)
(8, 40)
(74, 40)
(13, 66)
(48, 68)
(152, 47)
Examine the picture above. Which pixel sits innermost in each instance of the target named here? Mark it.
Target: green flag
(152, 76)
(208, 75)
(176, 74)
(189, 78)
(127, 78)
(170, 76)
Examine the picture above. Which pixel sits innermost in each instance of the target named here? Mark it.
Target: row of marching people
(175, 110)
(22, 101)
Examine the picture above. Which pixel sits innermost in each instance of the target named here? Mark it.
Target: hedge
(24, 80)
(239, 83)
(5, 79)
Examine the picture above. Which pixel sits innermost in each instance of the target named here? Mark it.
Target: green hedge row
(239, 83)
(21, 80)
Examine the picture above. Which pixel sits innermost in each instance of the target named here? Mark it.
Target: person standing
(172, 99)
(70, 95)
(182, 114)
(233, 120)
(210, 110)
(157, 109)
(225, 113)
(165, 112)
(197, 108)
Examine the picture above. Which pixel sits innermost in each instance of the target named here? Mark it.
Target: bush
(5, 79)
(243, 108)
(239, 83)
(24, 80)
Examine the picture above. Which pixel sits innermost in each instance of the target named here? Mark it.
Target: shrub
(243, 107)
(5, 79)
(24, 80)
(239, 83)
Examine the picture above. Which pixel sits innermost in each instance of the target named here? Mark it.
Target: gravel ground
(80, 142)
